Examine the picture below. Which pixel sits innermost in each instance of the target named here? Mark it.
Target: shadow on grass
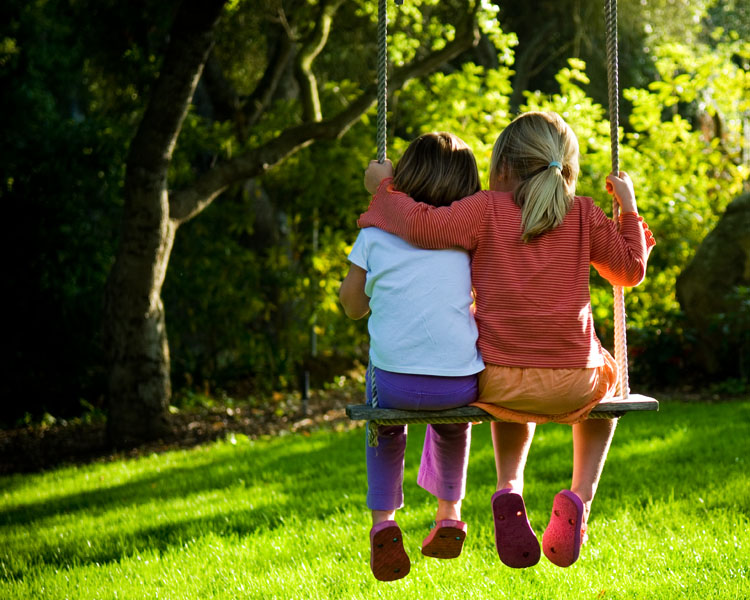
(311, 470)
(311, 473)
(112, 548)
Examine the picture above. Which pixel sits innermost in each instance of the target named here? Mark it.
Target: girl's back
(526, 290)
(420, 301)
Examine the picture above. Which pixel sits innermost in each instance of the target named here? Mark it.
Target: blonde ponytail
(540, 152)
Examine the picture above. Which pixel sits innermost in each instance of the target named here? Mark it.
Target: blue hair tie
(554, 163)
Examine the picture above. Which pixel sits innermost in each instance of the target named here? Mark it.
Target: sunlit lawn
(285, 518)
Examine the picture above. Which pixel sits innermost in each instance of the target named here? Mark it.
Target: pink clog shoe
(388, 559)
(515, 541)
(566, 531)
(445, 540)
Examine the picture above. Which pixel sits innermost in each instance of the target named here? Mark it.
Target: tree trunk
(139, 385)
(139, 377)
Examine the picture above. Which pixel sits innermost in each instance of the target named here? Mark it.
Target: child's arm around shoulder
(421, 224)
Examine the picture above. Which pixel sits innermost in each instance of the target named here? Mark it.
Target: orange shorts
(534, 395)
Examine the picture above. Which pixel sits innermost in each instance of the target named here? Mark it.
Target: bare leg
(515, 541)
(448, 509)
(378, 516)
(511, 442)
(591, 440)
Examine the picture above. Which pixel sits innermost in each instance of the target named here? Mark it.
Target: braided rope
(439, 420)
(382, 131)
(613, 81)
(382, 77)
(371, 427)
(621, 347)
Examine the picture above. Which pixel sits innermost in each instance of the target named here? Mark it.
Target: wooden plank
(631, 403)
(363, 412)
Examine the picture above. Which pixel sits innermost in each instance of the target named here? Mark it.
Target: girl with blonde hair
(531, 242)
(423, 353)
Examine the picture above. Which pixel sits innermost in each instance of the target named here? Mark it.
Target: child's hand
(622, 189)
(375, 173)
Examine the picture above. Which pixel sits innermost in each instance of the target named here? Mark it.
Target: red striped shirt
(533, 306)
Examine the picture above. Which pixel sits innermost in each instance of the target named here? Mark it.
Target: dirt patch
(39, 447)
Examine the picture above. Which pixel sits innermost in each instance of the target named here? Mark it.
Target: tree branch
(313, 46)
(186, 203)
(269, 83)
(192, 38)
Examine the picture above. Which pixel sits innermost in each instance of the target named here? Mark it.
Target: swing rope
(382, 78)
(621, 347)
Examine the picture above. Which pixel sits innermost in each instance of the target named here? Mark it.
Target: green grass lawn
(286, 518)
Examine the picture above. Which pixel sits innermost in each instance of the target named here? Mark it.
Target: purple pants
(445, 456)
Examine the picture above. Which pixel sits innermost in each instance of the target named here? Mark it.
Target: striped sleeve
(620, 256)
(424, 225)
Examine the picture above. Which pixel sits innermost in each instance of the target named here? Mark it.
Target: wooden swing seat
(607, 409)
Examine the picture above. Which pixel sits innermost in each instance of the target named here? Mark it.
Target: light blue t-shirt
(420, 301)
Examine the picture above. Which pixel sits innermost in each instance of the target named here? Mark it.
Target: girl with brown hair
(423, 352)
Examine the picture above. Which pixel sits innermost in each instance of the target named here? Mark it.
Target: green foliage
(74, 75)
(286, 518)
(733, 329)
(253, 317)
(60, 178)
(471, 102)
(688, 167)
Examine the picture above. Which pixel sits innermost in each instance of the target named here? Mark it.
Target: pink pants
(445, 456)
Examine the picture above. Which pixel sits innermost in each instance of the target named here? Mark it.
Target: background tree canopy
(252, 281)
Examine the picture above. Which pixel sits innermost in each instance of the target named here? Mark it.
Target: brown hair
(437, 169)
(529, 151)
